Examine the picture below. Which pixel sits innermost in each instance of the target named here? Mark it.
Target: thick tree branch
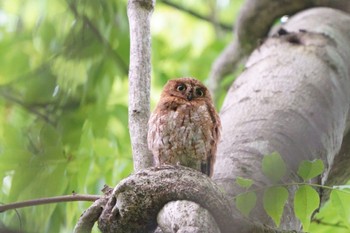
(139, 13)
(172, 215)
(136, 201)
(90, 216)
(293, 98)
(252, 25)
(196, 14)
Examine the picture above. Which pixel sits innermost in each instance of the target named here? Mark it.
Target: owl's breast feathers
(186, 133)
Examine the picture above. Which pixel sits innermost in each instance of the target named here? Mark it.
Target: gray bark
(252, 26)
(185, 216)
(139, 14)
(135, 202)
(293, 98)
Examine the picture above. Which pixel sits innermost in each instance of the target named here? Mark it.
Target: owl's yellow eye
(181, 87)
(199, 92)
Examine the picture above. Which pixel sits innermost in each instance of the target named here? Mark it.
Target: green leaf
(340, 201)
(274, 200)
(273, 166)
(245, 202)
(243, 182)
(306, 201)
(310, 169)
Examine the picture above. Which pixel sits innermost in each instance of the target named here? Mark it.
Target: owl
(184, 128)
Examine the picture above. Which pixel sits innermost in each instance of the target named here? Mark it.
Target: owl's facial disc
(187, 91)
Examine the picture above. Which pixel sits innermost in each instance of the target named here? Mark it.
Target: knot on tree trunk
(135, 202)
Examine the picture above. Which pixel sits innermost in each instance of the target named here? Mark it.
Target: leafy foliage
(334, 215)
(274, 200)
(63, 106)
(306, 201)
(63, 96)
(310, 169)
(246, 202)
(340, 200)
(243, 182)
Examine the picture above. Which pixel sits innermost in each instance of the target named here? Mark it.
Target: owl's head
(186, 88)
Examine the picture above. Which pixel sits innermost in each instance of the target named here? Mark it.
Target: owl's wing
(152, 129)
(153, 137)
(216, 132)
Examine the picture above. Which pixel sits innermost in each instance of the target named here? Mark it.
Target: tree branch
(252, 25)
(49, 200)
(34, 110)
(135, 202)
(197, 15)
(139, 14)
(90, 216)
(335, 225)
(293, 98)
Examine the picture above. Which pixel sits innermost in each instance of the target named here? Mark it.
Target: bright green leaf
(310, 169)
(273, 166)
(245, 202)
(306, 201)
(340, 201)
(274, 200)
(243, 182)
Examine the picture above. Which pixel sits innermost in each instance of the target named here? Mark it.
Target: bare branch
(49, 200)
(139, 14)
(90, 216)
(335, 225)
(34, 110)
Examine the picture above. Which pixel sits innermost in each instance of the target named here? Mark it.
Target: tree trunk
(293, 98)
(139, 14)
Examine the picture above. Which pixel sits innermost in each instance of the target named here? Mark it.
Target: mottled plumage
(185, 128)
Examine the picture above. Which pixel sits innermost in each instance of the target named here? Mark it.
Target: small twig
(49, 200)
(338, 224)
(197, 15)
(24, 105)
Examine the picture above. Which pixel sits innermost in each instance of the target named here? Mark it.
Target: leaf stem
(49, 200)
(291, 184)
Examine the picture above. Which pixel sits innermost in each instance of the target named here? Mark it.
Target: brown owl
(184, 129)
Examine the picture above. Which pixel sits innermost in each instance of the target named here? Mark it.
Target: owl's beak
(189, 96)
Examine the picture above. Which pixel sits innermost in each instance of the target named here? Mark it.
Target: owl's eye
(181, 87)
(199, 92)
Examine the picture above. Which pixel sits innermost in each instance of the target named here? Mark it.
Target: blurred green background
(63, 94)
